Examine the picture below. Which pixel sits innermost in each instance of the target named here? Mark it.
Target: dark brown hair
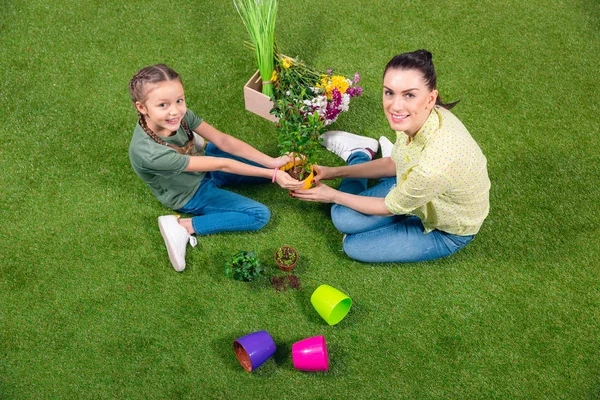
(420, 60)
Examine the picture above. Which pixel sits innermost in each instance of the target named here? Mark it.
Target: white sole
(176, 261)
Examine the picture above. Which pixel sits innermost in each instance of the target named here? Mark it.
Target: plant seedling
(243, 266)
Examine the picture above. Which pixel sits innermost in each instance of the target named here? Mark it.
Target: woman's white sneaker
(386, 146)
(344, 143)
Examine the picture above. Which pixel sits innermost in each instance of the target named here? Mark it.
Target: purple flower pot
(254, 349)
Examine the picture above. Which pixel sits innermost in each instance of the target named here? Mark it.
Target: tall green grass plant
(259, 17)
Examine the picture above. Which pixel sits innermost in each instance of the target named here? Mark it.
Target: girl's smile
(407, 102)
(164, 107)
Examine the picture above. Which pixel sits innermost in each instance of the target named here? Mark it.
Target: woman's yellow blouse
(441, 176)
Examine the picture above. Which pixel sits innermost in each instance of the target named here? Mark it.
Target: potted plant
(305, 102)
(286, 258)
(243, 266)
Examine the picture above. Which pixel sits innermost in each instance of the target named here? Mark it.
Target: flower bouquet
(306, 101)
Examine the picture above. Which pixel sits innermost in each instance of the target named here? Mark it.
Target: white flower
(345, 102)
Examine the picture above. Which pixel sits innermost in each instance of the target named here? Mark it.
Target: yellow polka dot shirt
(441, 176)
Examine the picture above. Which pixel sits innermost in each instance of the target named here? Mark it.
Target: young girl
(184, 160)
(433, 195)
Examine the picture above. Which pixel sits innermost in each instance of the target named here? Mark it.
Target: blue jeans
(396, 238)
(217, 210)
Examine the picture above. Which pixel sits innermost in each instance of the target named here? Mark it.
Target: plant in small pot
(243, 266)
(306, 102)
(286, 258)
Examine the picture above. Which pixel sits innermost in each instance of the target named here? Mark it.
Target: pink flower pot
(310, 354)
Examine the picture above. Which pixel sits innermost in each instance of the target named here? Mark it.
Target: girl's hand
(279, 161)
(320, 193)
(284, 180)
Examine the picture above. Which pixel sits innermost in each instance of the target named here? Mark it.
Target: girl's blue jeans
(396, 238)
(218, 210)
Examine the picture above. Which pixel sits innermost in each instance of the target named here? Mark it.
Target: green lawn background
(91, 308)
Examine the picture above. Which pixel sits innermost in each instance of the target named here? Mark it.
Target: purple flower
(356, 77)
(336, 97)
(329, 71)
(354, 91)
(332, 113)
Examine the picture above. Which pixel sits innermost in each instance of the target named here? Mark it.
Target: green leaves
(299, 128)
(243, 266)
(259, 18)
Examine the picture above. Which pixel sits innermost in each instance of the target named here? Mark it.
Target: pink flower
(356, 77)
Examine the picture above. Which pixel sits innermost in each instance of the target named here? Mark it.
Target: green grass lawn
(90, 306)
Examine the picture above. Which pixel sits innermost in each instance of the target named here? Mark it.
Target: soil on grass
(281, 283)
(294, 282)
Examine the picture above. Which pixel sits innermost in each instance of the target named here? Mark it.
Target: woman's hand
(320, 193)
(323, 173)
(284, 180)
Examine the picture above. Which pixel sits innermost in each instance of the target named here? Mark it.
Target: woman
(434, 190)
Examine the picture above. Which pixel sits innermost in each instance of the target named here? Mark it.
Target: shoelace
(338, 148)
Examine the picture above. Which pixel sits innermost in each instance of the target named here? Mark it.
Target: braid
(186, 149)
(149, 131)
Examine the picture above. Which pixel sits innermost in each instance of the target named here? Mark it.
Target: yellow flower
(274, 76)
(340, 82)
(329, 83)
(324, 81)
(287, 62)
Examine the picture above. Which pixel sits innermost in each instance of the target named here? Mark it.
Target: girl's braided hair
(138, 91)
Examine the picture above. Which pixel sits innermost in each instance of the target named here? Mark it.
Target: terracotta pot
(308, 180)
(254, 349)
(286, 267)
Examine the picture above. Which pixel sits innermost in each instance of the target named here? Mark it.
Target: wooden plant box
(255, 101)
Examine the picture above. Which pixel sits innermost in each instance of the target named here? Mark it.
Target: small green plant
(243, 266)
(286, 257)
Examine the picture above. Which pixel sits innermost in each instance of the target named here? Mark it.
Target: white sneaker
(199, 142)
(176, 238)
(344, 143)
(386, 146)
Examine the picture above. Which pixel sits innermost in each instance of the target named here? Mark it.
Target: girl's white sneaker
(176, 238)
